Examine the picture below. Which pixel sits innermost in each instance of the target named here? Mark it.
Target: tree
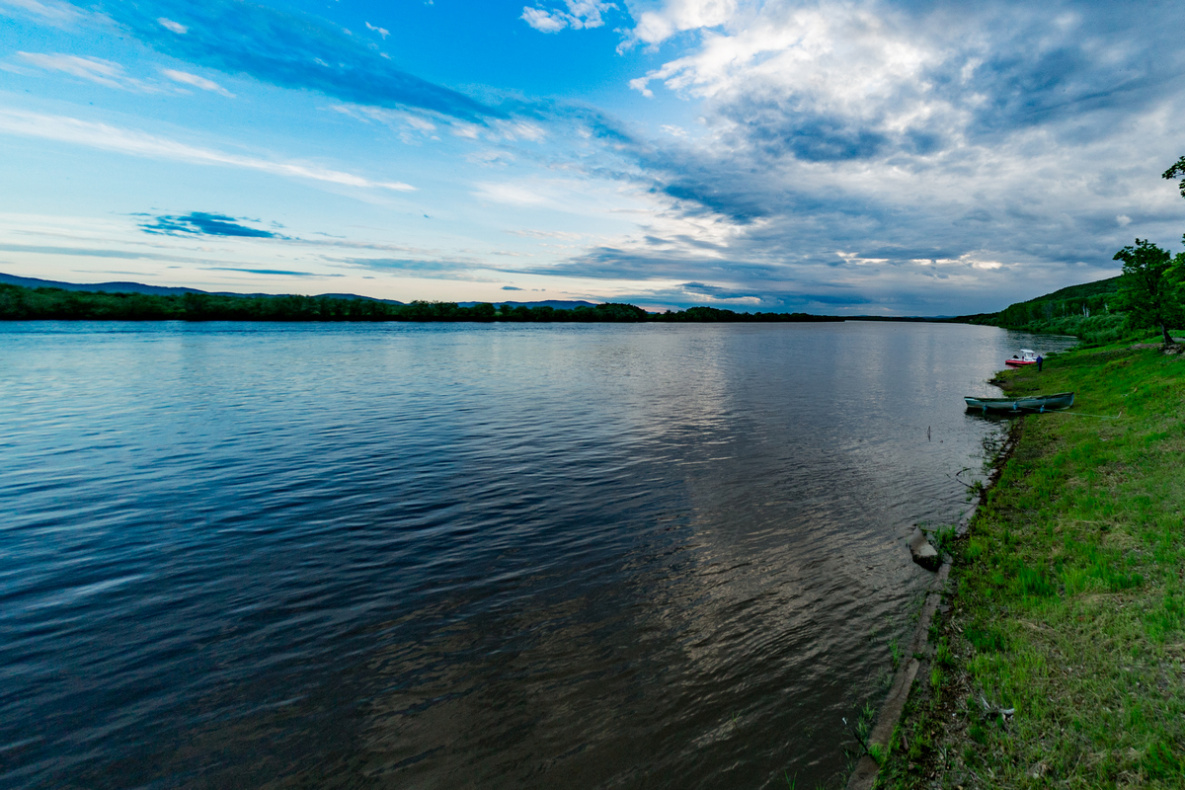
(1177, 171)
(1149, 288)
(484, 311)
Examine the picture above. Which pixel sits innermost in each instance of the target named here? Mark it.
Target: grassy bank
(1061, 662)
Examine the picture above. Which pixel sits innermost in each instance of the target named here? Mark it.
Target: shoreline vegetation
(1092, 312)
(1061, 658)
(19, 303)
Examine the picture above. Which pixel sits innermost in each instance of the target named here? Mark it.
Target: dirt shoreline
(921, 647)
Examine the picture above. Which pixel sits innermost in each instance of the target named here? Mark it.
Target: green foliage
(1065, 311)
(1177, 171)
(1031, 582)
(1150, 287)
(717, 315)
(895, 653)
(943, 655)
(986, 638)
(1161, 761)
(18, 303)
(943, 539)
(863, 727)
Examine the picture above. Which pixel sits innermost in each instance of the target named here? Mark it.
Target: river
(463, 555)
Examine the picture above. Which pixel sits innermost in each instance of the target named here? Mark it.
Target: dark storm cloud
(779, 129)
(201, 223)
(717, 292)
(289, 50)
(1000, 68)
(894, 253)
(700, 195)
(1085, 62)
(620, 264)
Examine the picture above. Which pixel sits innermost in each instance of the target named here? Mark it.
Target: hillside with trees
(22, 303)
(1090, 311)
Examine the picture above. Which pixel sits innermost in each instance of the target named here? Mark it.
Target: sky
(839, 158)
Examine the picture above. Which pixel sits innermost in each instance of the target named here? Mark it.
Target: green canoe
(1060, 400)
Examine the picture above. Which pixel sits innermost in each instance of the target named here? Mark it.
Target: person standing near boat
(1040, 361)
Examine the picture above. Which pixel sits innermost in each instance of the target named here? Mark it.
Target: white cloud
(365, 112)
(677, 16)
(510, 130)
(412, 128)
(846, 57)
(545, 21)
(490, 158)
(176, 27)
(111, 74)
(408, 124)
(594, 203)
(580, 14)
(548, 234)
(53, 12)
(512, 194)
(381, 31)
(109, 138)
(96, 70)
(186, 78)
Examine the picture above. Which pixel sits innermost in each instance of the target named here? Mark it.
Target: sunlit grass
(1069, 608)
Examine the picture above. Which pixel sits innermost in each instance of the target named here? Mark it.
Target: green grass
(1069, 597)
(895, 653)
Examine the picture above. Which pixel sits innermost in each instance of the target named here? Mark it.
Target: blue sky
(833, 157)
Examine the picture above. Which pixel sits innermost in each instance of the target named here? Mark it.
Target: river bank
(1060, 657)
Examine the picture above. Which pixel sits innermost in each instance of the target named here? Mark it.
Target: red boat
(1026, 357)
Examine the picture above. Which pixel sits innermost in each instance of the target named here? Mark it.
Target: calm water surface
(442, 556)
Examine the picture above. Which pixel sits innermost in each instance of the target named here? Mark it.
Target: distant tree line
(19, 303)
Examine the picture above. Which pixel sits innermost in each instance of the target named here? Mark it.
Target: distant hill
(352, 296)
(141, 288)
(168, 290)
(1079, 292)
(110, 288)
(1070, 302)
(1086, 311)
(555, 304)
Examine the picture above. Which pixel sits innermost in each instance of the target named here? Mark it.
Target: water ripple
(431, 556)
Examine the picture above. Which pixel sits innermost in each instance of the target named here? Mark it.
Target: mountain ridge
(120, 286)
